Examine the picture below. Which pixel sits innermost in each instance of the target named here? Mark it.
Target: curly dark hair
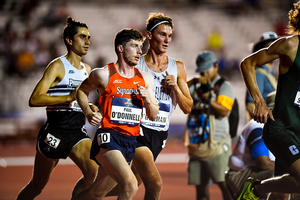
(71, 29)
(294, 16)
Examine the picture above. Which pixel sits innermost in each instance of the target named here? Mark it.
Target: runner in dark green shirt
(281, 132)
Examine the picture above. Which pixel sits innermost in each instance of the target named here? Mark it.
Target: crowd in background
(25, 50)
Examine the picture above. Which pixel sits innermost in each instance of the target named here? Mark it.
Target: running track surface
(17, 156)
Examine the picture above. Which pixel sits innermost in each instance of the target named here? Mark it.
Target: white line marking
(29, 160)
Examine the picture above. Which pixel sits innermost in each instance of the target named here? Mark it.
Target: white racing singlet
(72, 79)
(165, 96)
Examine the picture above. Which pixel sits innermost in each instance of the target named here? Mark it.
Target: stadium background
(30, 33)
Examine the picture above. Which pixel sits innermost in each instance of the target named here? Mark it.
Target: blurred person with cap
(206, 134)
(265, 75)
(251, 157)
(281, 132)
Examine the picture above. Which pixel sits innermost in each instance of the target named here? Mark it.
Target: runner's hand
(261, 112)
(94, 118)
(142, 92)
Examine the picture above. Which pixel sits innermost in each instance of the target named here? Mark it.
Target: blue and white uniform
(154, 133)
(164, 95)
(249, 146)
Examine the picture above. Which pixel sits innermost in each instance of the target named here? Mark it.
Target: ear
(69, 41)
(120, 48)
(149, 35)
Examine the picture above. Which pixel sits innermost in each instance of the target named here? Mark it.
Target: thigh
(283, 143)
(143, 161)
(154, 140)
(115, 165)
(80, 154)
(295, 169)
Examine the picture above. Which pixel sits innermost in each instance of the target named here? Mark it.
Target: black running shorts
(57, 143)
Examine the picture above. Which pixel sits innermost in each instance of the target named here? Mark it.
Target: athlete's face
(81, 42)
(132, 52)
(160, 38)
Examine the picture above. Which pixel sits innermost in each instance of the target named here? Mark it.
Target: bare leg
(117, 189)
(80, 154)
(102, 184)
(143, 161)
(114, 170)
(282, 184)
(278, 196)
(42, 170)
(202, 192)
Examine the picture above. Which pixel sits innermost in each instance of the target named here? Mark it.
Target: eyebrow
(85, 35)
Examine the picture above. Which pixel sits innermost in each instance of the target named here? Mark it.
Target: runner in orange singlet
(124, 90)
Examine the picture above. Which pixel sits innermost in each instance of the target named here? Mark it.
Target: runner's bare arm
(53, 74)
(184, 98)
(95, 80)
(247, 66)
(148, 96)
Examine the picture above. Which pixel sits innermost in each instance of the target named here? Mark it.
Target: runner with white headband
(158, 25)
(170, 89)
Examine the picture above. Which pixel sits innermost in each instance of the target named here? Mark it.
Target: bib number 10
(103, 138)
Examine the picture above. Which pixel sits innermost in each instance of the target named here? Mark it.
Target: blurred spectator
(215, 40)
(42, 55)
(265, 76)
(27, 8)
(280, 28)
(55, 16)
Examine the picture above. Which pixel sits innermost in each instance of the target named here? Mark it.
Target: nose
(168, 39)
(140, 50)
(87, 40)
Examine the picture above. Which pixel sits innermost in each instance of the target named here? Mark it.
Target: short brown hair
(155, 18)
(127, 34)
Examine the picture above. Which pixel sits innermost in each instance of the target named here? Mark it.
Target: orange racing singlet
(121, 105)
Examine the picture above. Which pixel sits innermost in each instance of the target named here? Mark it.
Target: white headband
(158, 24)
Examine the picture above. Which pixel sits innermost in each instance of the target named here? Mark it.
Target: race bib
(297, 98)
(162, 116)
(103, 138)
(126, 111)
(75, 106)
(52, 141)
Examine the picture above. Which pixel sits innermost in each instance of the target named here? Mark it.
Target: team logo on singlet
(162, 93)
(71, 71)
(293, 149)
(74, 83)
(128, 103)
(117, 81)
(129, 91)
